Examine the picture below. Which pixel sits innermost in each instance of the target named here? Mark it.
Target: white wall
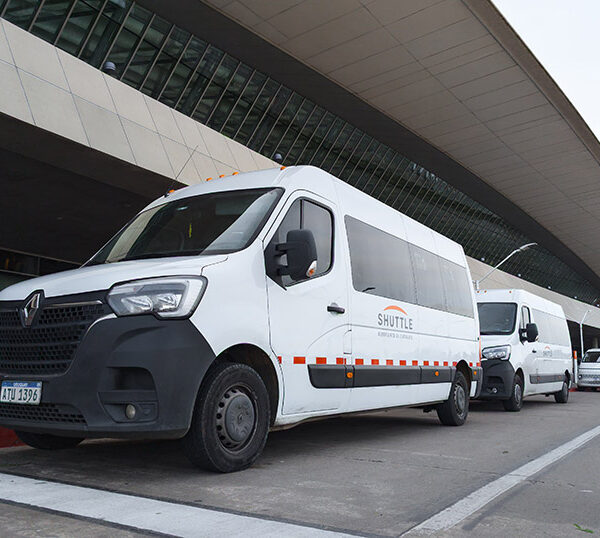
(43, 85)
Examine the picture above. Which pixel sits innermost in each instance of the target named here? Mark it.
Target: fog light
(130, 411)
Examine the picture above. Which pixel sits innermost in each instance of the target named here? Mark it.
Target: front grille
(43, 413)
(49, 345)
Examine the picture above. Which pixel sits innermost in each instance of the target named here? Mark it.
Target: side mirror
(531, 332)
(301, 251)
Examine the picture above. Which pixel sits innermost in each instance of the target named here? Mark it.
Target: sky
(564, 35)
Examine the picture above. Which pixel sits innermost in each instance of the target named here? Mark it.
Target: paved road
(378, 474)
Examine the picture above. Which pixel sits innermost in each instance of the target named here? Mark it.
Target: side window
(541, 319)
(457, 287)
(525, 317)
(319, 221)
(303, 214)
(380, 262)
(428, 278)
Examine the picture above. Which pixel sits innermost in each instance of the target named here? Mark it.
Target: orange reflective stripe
(321, 360)
(415, 363)
(299, 360)
(436, 363)
(340, 360)
(402, 363)
(375, 361)
(279, 359)
(359, 361)
(425, 363)
(389, 362)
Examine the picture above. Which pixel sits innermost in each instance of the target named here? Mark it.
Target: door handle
(534, 350)
(335, 309)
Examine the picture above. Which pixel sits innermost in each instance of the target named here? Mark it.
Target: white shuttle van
(526, 347)
(236, 306)
(589, 370)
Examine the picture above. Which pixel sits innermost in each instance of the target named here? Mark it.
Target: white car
(238, 305)
(526, 347)
(589, 370)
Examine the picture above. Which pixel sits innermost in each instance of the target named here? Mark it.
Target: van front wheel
(562, 396)
(454, 411)
(515, 402)
(230, 421)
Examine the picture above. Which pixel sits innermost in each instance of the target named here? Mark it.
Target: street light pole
(581, 331)
(516, 251)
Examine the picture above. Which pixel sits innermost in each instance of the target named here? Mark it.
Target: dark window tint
(592, 356)
(457, 287)
(428, 278)
(497, 318)
(307, 215)
(380, 262)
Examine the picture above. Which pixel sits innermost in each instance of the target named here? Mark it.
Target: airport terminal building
(435, 107)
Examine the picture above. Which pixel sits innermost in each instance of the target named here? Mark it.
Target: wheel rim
(460, 400)
(236, 418)
(518, 393)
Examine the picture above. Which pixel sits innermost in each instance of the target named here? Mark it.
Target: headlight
(169, 297)
(497, 352)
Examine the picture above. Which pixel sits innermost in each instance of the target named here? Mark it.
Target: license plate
(21, 392)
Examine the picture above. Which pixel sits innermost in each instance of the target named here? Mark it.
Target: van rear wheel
(562, 396)
(231, 420)
(515, 402)
(454, 411)
(46, 441)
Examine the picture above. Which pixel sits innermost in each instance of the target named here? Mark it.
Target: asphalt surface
(378, 474)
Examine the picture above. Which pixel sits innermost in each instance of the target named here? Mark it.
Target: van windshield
(215, 223)
(497, 318)
(591, 356)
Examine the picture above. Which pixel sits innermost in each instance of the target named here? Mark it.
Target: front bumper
(586, 379)
(476, 381)
(498, 378)
(155, 365)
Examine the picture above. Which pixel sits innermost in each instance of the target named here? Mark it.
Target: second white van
(526, 347)
(236, 306)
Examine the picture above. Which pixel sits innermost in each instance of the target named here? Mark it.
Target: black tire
(45, 441)
(231, 419)
(515, 402)
(562, 396)
(454, 411)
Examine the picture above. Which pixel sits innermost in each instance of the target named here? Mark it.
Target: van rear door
(308, 319)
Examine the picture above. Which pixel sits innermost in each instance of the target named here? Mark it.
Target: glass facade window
(200, 80)
(17, 266)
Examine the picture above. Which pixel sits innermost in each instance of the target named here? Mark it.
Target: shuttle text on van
(393, 320)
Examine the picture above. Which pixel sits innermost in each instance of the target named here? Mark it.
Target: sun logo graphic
(394, 317)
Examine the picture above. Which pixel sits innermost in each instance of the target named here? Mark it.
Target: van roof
(519, 296)
(353, 201)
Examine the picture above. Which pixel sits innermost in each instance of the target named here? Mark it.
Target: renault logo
(30, 309)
